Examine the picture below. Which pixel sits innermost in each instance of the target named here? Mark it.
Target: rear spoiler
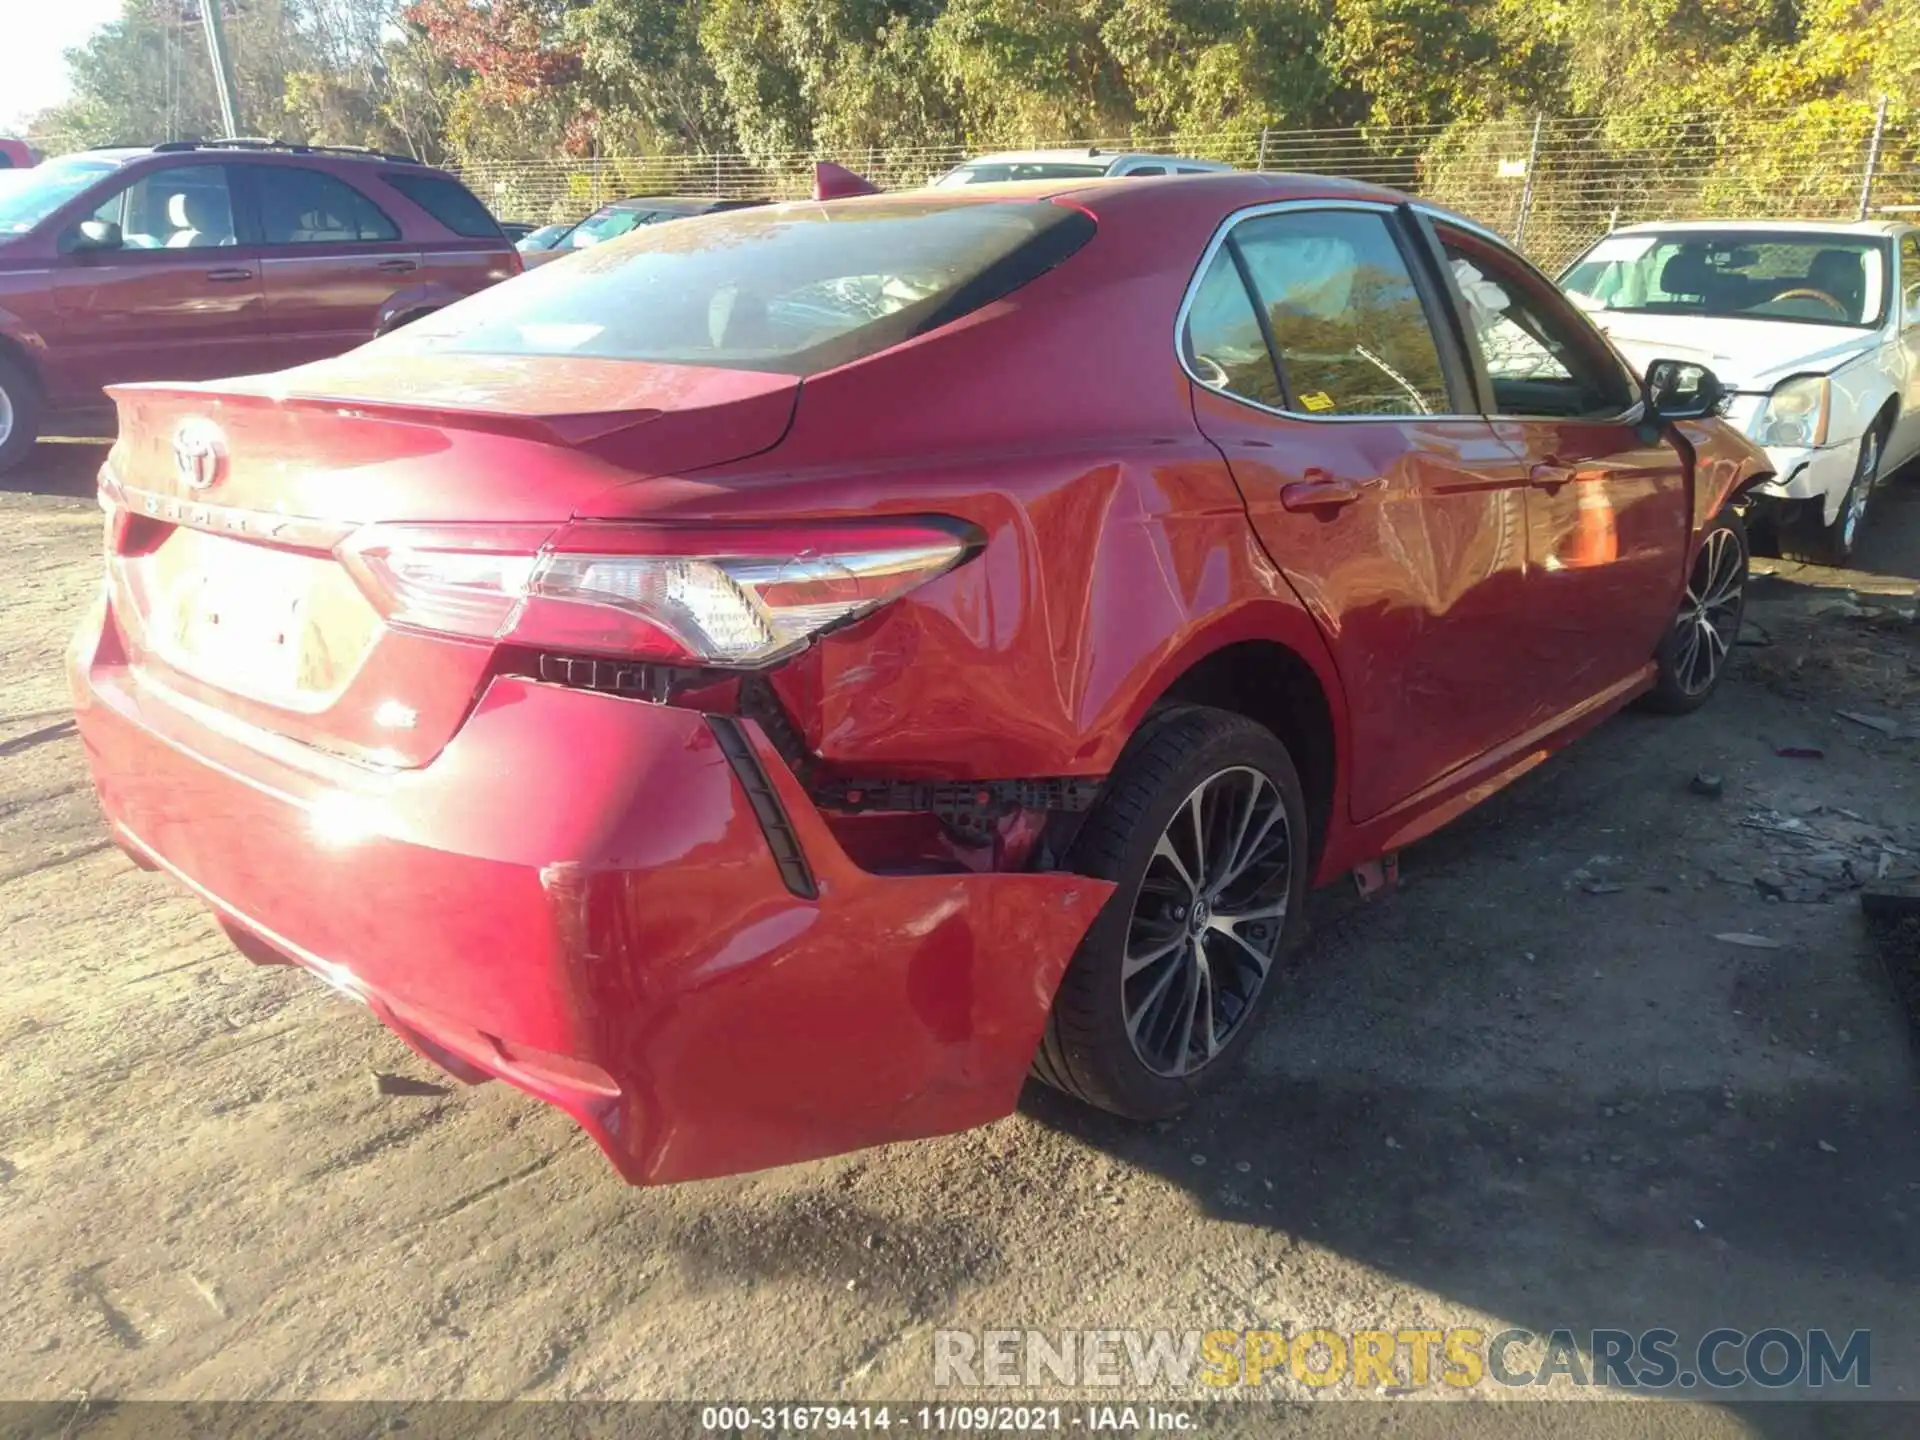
(836, 182)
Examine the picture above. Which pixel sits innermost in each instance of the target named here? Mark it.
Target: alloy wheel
(1855, 505)
(1207, 921)
(6, 415)
(1710, 614)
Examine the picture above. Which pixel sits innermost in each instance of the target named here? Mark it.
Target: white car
(1070, 165)
(1815, 327)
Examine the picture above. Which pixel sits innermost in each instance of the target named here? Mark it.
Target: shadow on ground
(59, 467)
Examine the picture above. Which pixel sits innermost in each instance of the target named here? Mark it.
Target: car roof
(271, 150)
(692, 203)
(1784, 227)
(1091, 154)
(1230, 189)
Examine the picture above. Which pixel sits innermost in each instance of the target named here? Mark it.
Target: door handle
(1320, 491)
(398, 267)
(1549, 476)
(228, 276)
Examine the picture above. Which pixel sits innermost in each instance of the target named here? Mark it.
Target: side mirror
(93, 235)
(1681, 390)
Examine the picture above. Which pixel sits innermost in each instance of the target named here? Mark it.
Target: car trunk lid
(229, 506)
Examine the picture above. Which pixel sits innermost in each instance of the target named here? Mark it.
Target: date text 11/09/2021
(960, 1419)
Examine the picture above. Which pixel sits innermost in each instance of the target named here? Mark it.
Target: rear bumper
(576, 896)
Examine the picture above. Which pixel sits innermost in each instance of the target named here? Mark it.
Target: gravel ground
(1530, 1088)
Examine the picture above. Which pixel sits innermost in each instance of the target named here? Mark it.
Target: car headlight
(1796, 413)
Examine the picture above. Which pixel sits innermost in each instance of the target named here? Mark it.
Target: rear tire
(1693, 654)
(1169, 981)
(1808, 537)
(20, 412)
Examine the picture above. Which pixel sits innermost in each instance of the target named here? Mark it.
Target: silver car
(1090, 164)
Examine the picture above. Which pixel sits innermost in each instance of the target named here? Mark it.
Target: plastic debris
(1888, 728)
(1752, 942)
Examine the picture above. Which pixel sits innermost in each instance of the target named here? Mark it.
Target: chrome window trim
(1219, 238)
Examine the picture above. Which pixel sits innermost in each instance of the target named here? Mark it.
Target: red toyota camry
(771, 684)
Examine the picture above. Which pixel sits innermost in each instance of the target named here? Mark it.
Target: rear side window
(1345, 316)
(791, 289)
(449, 202)
(1225, 346)
(309, 207)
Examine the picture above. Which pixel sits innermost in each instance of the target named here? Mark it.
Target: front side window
(189, 207)
(1814, 278)
(310, 207)
(792, 289)
(1541, 357)
(1347, 321)
(31, 196)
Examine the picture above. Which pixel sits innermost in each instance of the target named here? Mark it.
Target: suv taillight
(720, 596)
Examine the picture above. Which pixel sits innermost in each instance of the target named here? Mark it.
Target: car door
(1609, 500)
(332, 258)
(1904, 443)
(179, 298)
(1346, 416)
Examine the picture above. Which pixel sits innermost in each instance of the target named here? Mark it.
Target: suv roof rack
(291, 147)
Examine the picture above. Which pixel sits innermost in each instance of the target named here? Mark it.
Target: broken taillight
(720, 596)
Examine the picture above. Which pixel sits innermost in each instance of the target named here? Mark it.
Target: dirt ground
(1530, 1088)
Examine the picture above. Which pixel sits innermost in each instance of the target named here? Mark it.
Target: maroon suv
(194, 260)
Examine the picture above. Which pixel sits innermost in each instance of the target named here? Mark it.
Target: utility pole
(1873, 156)
(222, 68)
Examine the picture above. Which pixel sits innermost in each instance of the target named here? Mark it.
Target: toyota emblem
(199, 453)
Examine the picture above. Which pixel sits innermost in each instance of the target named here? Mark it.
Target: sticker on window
(1317, 400)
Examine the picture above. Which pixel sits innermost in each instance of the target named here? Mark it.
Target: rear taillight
(707, 596)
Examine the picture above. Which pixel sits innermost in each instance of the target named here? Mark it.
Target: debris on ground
(1706, 783)
(1752, 942)
(1800, 752)
(1889, 728)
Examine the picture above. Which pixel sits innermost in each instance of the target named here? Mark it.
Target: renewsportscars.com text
(1401, 1359)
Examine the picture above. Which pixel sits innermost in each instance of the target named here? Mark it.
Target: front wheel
(1809, 537)
(19, 414)
(1203, 829)
(1694, 653)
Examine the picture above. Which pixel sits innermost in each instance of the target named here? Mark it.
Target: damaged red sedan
(773, 683)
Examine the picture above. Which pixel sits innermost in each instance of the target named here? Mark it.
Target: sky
(33, 72)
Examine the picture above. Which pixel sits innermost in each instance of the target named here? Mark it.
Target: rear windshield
(790, 289)
(449, 202)
(1000, 171)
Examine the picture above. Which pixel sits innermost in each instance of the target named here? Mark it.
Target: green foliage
(1438, 86)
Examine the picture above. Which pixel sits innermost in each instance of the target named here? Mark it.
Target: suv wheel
(19, 413)
(1203, 828)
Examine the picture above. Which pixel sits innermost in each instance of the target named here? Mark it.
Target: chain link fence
(1552, 184)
